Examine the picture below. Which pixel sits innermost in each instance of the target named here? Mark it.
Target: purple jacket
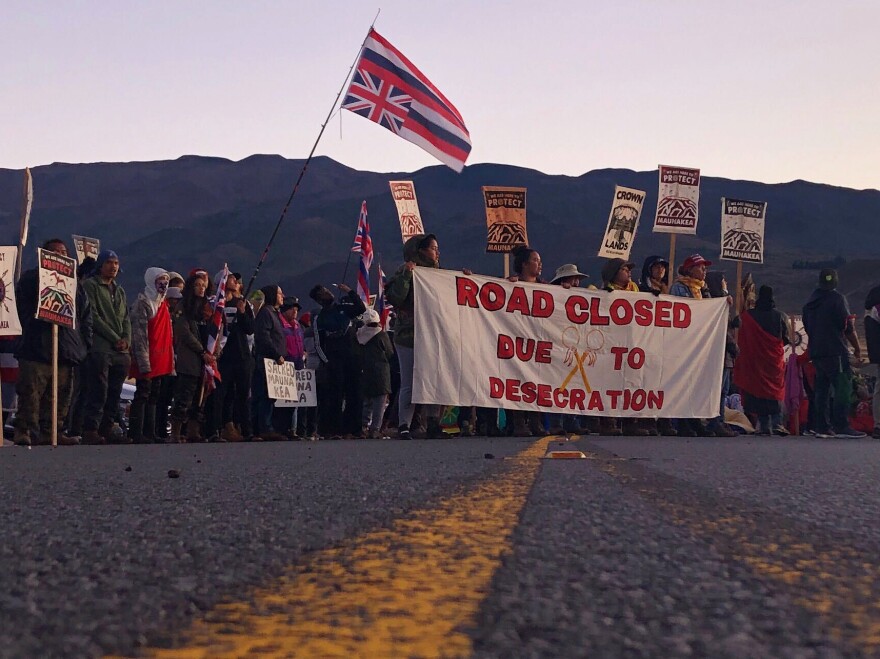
(293, 337)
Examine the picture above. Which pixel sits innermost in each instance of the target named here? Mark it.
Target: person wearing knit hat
(691, 281)
(831, 330)
(109, 359)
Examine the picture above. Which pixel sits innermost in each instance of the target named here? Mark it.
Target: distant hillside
(199, 211)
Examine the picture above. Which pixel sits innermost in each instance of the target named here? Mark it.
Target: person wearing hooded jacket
(376, 351)
(34, 354)
(655, 276)
(152, 346)
(420, 251)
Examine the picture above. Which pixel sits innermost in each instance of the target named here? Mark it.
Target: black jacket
(35, 343)
(826, 319)
(239, 326)
(269, 340)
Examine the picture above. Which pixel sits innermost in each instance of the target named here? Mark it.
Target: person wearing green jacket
(108, 360)
(420, 251)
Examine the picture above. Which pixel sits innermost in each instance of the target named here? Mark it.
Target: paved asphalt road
(469, 547)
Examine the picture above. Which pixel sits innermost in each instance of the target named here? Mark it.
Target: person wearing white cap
(568, 276)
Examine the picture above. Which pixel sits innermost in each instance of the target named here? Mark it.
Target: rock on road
(653, 547)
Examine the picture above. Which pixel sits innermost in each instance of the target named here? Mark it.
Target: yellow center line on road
(837, 582)
(409, 590)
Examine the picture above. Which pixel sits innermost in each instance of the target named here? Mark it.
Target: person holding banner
(34, 354)
(655, 276)
(716, 282)
(109, 359)
(420, 251)
(527, 267)
(152, 346)
(691, 280)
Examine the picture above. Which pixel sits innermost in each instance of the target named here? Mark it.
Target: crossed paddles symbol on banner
(571, 339)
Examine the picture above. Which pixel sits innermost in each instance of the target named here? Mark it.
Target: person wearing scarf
(152, 347)
(691, 282)
(617, 276)
(655, 276)
(376, 351)
(759, 370)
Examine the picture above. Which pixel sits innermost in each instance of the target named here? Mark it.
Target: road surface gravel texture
(654, 547)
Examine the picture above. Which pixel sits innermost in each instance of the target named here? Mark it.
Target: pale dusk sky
(766, 91)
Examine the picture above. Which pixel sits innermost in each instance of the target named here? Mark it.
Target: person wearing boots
(236, 364)
(192, 356)
(691, 283)
(269, 343)
(109, 358)
(152, 346)
(33, 419)
(617, 276)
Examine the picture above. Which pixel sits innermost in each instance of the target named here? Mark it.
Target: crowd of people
(195, 348)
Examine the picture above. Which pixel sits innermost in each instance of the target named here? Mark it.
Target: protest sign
(678, 200)
(622, 223)
(404, 194)
(9, 322)
(505, 218)
(742, 230)
(492, 343)
(290, 387)
(57, 289)
(85, 247)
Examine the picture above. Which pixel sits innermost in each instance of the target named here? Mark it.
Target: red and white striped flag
(363, 245)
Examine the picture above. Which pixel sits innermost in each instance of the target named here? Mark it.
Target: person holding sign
(269, 344)
(109, 358)
(34, 354)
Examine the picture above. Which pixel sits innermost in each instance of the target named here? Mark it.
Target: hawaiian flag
(215, 326)
(382, 306)
(363, 245)
(388, 89)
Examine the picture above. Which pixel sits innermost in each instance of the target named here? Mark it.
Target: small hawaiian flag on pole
(363, 245)
(215, 327)
(382, 306)
(389, 90)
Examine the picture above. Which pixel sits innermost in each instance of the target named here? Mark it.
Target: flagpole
(309, 159)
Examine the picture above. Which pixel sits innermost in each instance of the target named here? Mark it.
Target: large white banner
(678, 200)
(622, 223)
(492, 343)
(742, 230)
(9, 322)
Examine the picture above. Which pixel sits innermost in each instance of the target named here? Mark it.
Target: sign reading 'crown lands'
(505, 218)
(622, 223)
(404, 195)
(678, 200)
(742, 230)
(57, 289)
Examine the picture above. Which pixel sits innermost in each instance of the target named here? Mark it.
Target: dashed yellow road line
(410, 590)
(837, 582)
